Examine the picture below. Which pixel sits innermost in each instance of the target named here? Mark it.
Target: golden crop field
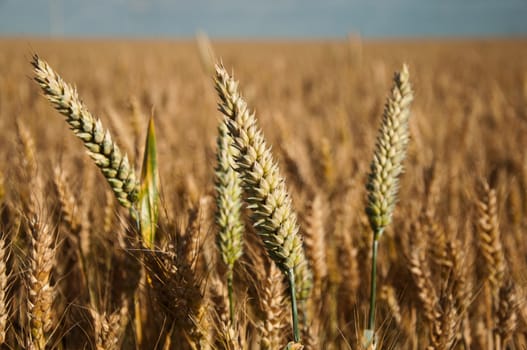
(78, 269)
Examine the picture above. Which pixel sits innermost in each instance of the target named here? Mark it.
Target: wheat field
(78, 272)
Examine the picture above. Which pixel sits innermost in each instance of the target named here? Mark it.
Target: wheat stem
(272, 215)
(385, 169)
(373, 284)
(294, 309)
(230, 295)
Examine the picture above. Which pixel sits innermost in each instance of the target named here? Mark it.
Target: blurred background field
(319, 104)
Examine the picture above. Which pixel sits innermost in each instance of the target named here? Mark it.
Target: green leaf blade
(149, 189)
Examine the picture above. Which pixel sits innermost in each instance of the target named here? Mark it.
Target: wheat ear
(390, 151)
(4, 286)
(228, 208)
(445, 325)
(272, 298)
(272, 214)
(422, 276)
(68, 204)
(490, 238)
(109, 329)
(385, 169)
(315, 241)
(507, 320)
(41, 292)
(389, 296)
(98, 141)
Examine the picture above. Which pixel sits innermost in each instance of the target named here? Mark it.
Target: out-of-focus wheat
(4, 285)
(318, 109)
(109, 328)
(41, 292)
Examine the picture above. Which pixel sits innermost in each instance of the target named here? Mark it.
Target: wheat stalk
(98, 141)
(385, 169)
(227, 334)
(272, 214)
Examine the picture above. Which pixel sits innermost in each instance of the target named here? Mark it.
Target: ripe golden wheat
(76, 273)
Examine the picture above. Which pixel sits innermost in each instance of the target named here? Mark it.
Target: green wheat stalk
(272, 215)
(385, 170)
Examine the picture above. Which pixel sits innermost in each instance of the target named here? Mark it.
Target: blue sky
(264, 18)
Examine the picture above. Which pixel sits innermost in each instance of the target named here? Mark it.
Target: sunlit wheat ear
(228, 207)
(390, 151)
(385, 169)
(228, 200)
(98, 141)
(272, 215)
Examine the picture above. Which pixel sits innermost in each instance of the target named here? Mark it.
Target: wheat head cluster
(158, 195)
